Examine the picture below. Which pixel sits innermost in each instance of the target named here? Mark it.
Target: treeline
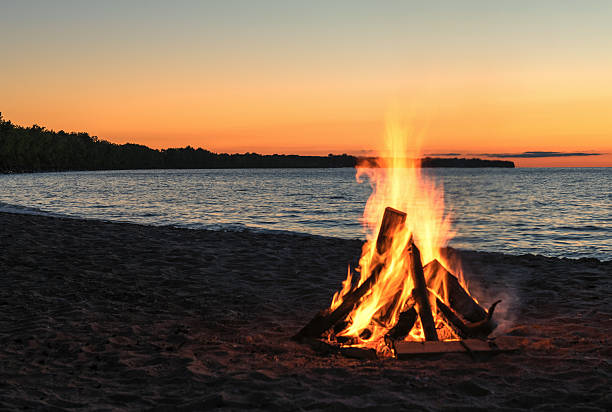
(37, 149)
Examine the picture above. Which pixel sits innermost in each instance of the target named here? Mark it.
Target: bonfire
(402, 299)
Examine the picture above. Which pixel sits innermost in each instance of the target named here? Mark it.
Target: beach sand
(97, 315)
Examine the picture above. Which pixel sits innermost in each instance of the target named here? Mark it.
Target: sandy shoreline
(98, 315)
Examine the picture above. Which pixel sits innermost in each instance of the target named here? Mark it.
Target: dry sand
(101, 316)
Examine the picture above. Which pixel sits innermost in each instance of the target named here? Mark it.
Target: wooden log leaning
(420, 293)
(326, 319)
(383, 315)
(391, 221)
(459, 300)
(404, 324)
(454, 322)
(480, 329)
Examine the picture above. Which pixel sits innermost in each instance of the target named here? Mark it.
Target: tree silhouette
(38, 149)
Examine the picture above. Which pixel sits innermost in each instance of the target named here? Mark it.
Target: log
(383, 315)
(483, 328)
(420, 293)
(459, 300)
(391, 221)
(326, 319)
(359, 353)
(404, 350)
(451, 319)
(480, 329)
(404, 324)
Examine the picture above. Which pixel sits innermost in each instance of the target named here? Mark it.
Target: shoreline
(104, 315)
(36, 212)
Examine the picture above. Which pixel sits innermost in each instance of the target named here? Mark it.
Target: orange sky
(316, 80)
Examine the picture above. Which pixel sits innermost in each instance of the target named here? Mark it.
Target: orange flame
(397, 181)
(346, 286)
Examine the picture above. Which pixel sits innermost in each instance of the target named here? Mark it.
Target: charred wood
(383, 315)
(483, 328)
(459, 300)
(326, 319)
(391, 221)
(451, 319)
(420, 293)
(480, 329)
(404, 324)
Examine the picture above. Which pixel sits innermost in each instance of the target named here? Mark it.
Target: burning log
(483, 328)
(324, 320)
(452, 319)
(392, 219)
(459, 300)
(384, 314)
(420, 294)
(404, 324)
(480, 329)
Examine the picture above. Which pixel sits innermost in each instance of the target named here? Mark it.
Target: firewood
(404, 324)
(359, 353)
(459, 300)
(391, 221)
(483, 328)
(480, 329)
(404, 350)
(326, 319)
(420, 294)
(451, 319)
(384, 314)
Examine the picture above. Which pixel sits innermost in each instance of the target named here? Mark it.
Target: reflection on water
(553, 212)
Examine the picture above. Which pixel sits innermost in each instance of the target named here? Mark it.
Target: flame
(346, 287)
(397, 181)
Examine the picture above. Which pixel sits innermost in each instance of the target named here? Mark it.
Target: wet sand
(101, 316)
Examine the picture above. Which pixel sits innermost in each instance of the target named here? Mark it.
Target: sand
(101, 316)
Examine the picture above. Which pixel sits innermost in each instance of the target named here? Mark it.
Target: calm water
(552, 212)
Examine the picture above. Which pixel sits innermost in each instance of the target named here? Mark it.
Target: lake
(560, 212)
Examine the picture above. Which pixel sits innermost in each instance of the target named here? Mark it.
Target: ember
(398, 302)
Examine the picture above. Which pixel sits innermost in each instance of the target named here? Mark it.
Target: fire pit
(406, 302)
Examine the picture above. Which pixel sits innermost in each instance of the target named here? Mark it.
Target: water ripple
(552, 212)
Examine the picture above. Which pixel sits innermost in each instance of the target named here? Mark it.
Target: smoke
(506, 313)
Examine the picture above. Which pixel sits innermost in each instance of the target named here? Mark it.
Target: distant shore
(256, 161)
(103, 315)
(37, 149)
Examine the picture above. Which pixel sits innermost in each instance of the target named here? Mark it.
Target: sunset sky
(475, 78)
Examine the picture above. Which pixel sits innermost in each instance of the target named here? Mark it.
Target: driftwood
(326, 319)
(459, 300)
(420, 293)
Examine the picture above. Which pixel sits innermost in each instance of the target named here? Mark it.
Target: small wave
(587, 228)
(24, 210)
(221, 227)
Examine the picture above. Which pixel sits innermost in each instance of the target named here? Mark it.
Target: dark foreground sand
(117, 316)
